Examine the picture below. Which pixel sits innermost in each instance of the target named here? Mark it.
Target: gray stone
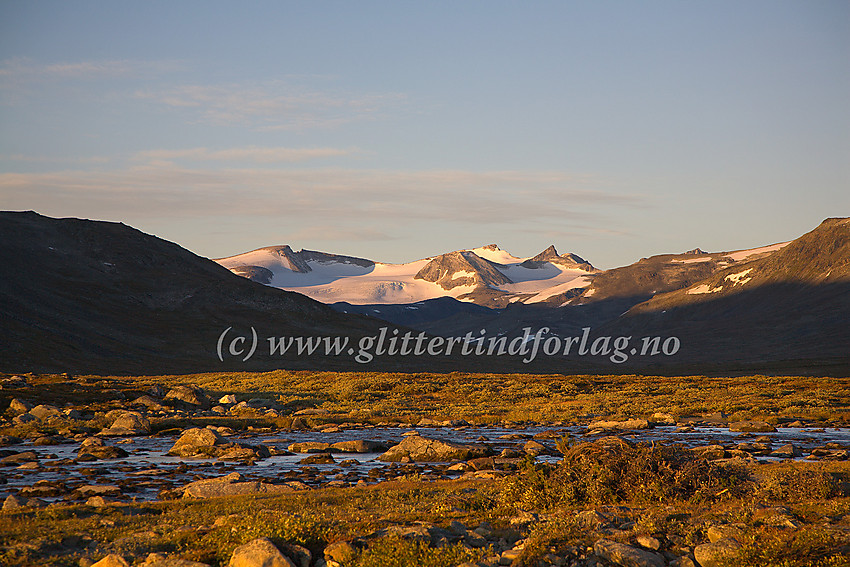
(93, 449)
(751, 427)
(626, 555)
(309, 447)
(340, 551)
(20, 406)
(628, 424)
(163, 560)
(788, 451)
(648, 542)
(127, 423)
(360, 446)
(45, 411)
(230, 485)
(112, 560)
(422, 449)
(717, 553)
(196, 442)
(259, 553)
(188, 395)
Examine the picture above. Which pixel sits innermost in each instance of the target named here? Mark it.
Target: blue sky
(399, 130)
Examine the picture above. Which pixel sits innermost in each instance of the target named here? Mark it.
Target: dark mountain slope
(87, 296)
(791, 306)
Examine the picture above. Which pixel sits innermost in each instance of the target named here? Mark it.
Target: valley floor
(576, 470)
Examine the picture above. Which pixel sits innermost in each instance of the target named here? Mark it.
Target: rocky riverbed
(185, 444)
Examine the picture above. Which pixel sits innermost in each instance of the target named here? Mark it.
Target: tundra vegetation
(607, 499)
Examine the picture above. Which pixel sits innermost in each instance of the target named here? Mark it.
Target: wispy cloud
(17, 70)
(252, 154)
(342, 197)
(270, 105)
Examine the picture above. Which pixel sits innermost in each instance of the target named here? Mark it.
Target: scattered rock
(93, 449)
(340, 551)
(788, 451)
(111, 560)
(309, 447)
(188, 395)
(751, 427)
(18, 458)
(13, 383)
(534, 448)
(360, 446)
(661, 418)
(318, 459)
(619, 425)
(648, 542)
(230, 485)
(626, 555)
(13, 502)
(312, 411)
(162, 560)
(229, 399)
(716, 553)
(127, 423)
(45, 411)
(423, 449)
(259, 553)
(24, 418)
(197, 442)
(20, 406)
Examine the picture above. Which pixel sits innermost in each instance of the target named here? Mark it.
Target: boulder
(13, 502)
(162, 560)
(93, 449)
(127, 423)
(188, 396)
(788, 451)
(423, 449)
(45, 411)
(230, 485)
(259, 553)
(340, 551)
(19, 406)
(717, 553)
(751, 427)
(628, 424)
(626, 555)
(112, 560)
(149, 402)
(197, 442)
(309, 447)
(360, 446)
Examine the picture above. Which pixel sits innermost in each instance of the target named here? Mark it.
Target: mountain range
(91, 296)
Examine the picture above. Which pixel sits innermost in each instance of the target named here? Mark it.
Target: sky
(400, 130)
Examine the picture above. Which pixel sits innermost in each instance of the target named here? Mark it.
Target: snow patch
(740, 277)
(704, 288)
(744, 254)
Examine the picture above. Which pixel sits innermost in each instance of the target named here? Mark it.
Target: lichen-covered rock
(230, 485)
(716, 553)
(162, 560)
(360, 446)
(259, 553)
(127, 423)
(112, 560)
(751, 427)
(626, 555)
(423, 449)
(197, 442)
(93, 449)
(188, 395)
